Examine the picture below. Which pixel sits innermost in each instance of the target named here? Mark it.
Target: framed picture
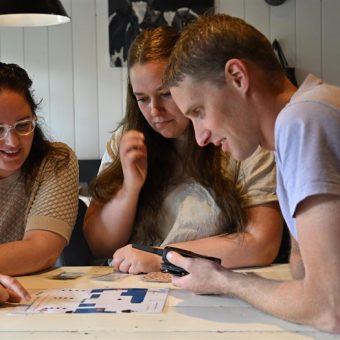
(127, 18)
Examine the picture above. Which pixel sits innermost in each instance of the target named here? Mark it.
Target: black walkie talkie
(168, 267)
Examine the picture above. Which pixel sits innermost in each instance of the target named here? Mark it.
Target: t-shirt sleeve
(256, 178)
(55, 203)
(111, 151)
(308, 151)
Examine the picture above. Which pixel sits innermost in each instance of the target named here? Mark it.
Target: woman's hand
(134, 261)
(133, 155)
(11, 290)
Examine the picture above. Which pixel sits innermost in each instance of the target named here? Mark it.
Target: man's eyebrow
(188, 111)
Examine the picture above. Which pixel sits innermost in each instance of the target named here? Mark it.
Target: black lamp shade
(32, 13)
(275, 2)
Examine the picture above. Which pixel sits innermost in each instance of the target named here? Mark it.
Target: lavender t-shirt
(307, 143)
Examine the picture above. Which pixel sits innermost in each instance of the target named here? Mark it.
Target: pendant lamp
(27, 13)
(275, 2)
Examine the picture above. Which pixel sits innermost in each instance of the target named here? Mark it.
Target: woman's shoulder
(61, 155)
(61, 146)
(258, 161)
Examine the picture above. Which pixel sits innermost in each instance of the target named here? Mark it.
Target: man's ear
(236, 74)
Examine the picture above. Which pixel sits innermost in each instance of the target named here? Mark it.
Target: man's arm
(314, 299)
(296, 265)
(38, 250)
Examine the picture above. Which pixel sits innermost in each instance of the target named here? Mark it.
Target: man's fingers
(176, 259)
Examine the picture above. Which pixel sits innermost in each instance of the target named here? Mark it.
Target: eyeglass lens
(22, 128)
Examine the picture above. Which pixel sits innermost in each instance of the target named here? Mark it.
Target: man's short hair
(210, 41)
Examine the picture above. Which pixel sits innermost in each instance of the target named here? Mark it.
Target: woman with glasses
(157, 187)
(38, 182)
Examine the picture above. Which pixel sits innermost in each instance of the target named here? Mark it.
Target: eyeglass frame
(8, 127)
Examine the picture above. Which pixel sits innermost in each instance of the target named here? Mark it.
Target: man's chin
(225, 148)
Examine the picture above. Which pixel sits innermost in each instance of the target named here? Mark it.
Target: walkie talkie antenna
(149, 249)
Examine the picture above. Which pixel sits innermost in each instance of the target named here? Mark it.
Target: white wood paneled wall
(84, 98)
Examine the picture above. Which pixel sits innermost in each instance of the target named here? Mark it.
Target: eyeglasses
(22, 127)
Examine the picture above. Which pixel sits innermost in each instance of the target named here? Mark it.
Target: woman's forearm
(108, 227)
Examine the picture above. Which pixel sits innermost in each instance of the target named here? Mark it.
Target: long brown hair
(201, 164)
(16, 79)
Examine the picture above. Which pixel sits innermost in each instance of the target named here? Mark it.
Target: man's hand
(204, 275)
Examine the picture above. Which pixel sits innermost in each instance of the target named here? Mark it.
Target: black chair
(88, 169)
(77, 252)
(284, 251)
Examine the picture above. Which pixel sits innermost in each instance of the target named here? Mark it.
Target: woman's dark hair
(201, 164)
(14, 78)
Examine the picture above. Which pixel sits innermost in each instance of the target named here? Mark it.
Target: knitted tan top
(50, 205)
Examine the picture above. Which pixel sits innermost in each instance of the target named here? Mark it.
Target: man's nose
(202, 136)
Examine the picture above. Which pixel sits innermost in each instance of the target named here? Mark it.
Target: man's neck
(271, 105)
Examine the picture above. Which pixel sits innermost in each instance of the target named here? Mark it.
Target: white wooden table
(185, 315)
